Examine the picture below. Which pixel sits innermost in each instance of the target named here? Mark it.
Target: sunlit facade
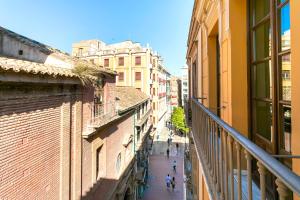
(243, 66)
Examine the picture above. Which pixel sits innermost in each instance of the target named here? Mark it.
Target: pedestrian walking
(174, 166)
(173, 183)
(168, 181)
(177, 147)
(168, 153)
(168, 141)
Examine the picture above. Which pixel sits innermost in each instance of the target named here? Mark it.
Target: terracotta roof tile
(16, 65)
(129, 97)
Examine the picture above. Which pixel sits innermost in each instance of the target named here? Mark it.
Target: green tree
(178, 120)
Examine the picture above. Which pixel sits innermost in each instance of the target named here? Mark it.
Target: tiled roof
(99, 68)
(129, 97)
(17, 65)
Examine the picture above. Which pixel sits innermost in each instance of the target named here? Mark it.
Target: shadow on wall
(102, 189)
(18, 98)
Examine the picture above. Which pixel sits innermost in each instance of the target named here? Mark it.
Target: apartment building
(244, 104)
(175, 92)
(137, 66)
(115, 148)
(160, 102)
(184, 84)
(130, 60)
(65, 135)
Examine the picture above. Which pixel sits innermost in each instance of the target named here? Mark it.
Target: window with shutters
(138, 60)
(137, 76)
(121, 76)
(121, 61)
(106, 62)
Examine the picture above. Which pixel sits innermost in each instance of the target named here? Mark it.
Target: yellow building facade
(242, 58)
(137, 66)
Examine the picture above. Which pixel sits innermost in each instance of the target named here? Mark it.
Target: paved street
(160, 166)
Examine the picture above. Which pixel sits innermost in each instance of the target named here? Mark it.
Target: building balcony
(161, 95)
(141, 140)
(188, 112)
(144, 118)
(101, 114)
(234, 167)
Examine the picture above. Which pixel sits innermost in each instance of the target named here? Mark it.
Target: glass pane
(261, 9)
(262, 80)
(286, 83)
(286, 114)
(262, 42)
(284, 26)
(263, 119)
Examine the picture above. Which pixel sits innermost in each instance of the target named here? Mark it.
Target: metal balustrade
(102, 112)
(226, 154)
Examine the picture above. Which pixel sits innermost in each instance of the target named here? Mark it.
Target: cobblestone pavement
(160, 166)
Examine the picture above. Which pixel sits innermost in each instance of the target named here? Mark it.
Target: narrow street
(161, 166)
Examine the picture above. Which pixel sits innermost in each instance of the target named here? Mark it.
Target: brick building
(109, 149)
(137, 66)
(63, 133)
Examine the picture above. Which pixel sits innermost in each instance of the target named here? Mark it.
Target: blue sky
(163, 24)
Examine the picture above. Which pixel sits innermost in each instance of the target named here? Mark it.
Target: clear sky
(164, 24)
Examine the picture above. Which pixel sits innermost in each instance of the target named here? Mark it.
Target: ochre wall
(231, 29)
(295, 41)
(216, 23)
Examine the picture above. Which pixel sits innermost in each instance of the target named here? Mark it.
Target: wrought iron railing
(102, 112)
(188, 112)
(230, 171)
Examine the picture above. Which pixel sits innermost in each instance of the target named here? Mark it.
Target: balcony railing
(229, 171)
(100, 113)
(188, 112)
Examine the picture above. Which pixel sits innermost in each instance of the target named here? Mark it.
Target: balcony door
(270, 74)
(270, 70)
(219, 107)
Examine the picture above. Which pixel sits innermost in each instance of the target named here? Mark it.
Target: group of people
(168, 150)
(170, 182)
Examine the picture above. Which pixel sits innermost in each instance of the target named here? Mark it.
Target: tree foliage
(178, 119)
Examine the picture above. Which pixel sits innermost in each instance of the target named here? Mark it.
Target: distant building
(137, 66)
(168, 96)
(185, 84)
(175, 92)
(130, 60)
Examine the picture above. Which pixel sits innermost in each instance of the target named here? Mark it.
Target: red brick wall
(113, 137)
(87, 100)
(87, 180)
(34, 140)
